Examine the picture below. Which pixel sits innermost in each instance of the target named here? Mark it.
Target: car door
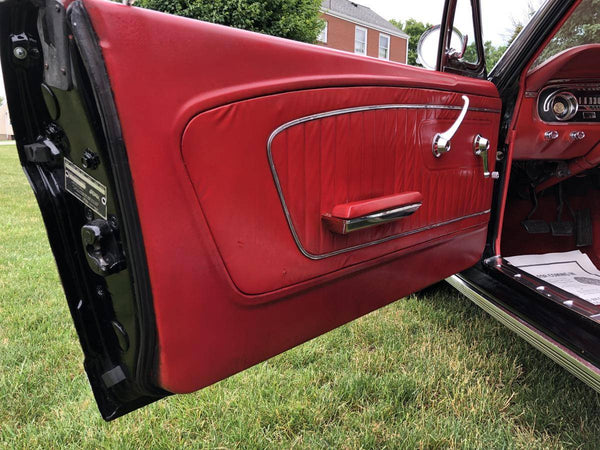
(214, 197)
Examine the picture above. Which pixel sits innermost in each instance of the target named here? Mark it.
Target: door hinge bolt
(20, 53)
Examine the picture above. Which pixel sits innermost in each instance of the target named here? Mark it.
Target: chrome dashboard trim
(573, 104)
(571, 361)
(338, 112)
(565, 85)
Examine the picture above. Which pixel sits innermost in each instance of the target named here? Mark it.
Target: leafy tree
(492, 53)
(583, 27)
(414, 29)
(519, 24)
(292, 19)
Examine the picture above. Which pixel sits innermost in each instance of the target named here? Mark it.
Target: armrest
(353, 216)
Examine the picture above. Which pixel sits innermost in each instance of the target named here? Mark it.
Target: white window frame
(366, 39)
(389, 46)
(323, 35)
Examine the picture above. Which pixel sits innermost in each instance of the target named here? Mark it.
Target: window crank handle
(481, 147)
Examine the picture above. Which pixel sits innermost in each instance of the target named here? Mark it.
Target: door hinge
(42, 151)
(52, 27)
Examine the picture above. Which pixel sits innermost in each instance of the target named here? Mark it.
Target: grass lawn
(431, 372)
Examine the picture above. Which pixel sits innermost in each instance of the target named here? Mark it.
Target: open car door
(214, 197)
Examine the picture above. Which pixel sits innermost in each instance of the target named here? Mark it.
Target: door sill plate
(544, 289)
(572, 362)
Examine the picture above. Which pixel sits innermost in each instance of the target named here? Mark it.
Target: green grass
(432, 372)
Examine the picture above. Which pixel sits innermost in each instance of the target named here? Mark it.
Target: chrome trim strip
(338, 112)
(571, 361)
(574, 82)
(538, 286)
(345, 226)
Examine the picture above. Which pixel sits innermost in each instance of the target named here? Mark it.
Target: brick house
(6, 131)
(358, 29)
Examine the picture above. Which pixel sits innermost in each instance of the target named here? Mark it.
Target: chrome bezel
(565, 85)
(570, 100)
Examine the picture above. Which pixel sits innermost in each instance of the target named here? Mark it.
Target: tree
(414, 29)
(519, 24)
(292, 19)
(491, 52)
(583, 27)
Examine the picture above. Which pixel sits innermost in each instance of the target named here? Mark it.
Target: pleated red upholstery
(326, 162)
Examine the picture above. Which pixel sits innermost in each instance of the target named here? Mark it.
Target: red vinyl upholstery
(198, 102)
(325, 162)
(360, 208)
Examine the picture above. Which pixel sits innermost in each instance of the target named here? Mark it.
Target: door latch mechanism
(481, 147)
(102, 248)
(441, 141)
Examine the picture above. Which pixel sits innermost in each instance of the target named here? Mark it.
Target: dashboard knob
(551, 135)
(577, 135)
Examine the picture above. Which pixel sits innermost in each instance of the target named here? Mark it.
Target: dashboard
(576, 102)
(559, 112)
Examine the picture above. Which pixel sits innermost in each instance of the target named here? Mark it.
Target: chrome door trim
(338, 112)
(345, 226)
(571, 361)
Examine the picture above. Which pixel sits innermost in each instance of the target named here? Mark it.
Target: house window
(360, 41)
(384, 46)
(323, 35)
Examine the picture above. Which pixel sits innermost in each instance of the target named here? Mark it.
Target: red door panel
(231, 286)
(320, 163)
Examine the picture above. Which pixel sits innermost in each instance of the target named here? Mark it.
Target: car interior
(550, 221)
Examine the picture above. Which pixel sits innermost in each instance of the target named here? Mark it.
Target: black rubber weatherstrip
(91, 54)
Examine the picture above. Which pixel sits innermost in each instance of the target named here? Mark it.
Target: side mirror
(427, 48)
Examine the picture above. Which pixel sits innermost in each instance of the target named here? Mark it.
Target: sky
(497, 15)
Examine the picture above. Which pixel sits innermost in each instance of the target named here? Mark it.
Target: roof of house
(360, 14)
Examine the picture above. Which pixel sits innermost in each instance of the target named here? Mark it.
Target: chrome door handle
(441, 141)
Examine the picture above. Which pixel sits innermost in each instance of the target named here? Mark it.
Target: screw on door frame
(20, 53)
